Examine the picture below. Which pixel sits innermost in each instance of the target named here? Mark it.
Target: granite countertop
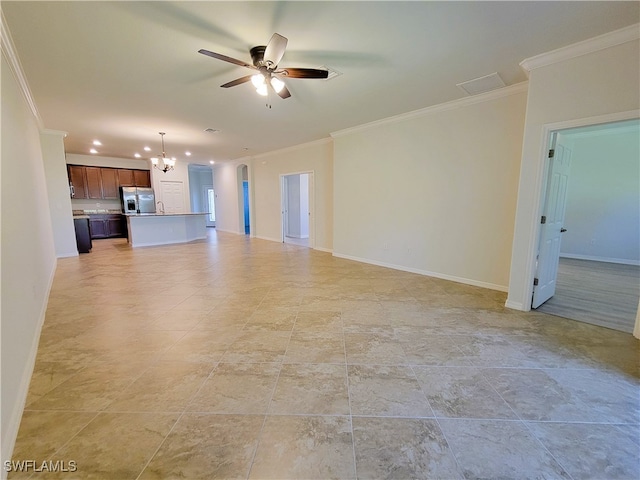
(162, 214)
(101, 211)
(80, 217)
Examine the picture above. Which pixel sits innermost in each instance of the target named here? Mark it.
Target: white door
(173, 197)
(552, 224)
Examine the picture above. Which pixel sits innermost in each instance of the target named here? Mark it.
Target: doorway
(244, 213)
(593, 273)
(297, 208)
(209, 200)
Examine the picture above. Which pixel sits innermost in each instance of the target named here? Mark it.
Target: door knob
(562, 230)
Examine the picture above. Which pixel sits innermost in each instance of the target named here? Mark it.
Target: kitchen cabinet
(83, 237)
(109, 183)
(94, 182)
(142, 178)
(107, 225)
(104, 182)
(125, 178)
(77, 181)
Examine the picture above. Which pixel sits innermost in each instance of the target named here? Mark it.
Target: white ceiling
(121, 72)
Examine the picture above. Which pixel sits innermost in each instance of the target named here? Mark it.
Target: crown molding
(443, 107)
(293, 148)
(48, 131)
(611, 39)
(10, 54)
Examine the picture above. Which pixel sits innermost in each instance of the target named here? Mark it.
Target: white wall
(316, 157)
(433, 192)
(603, 202)
(55, 170)
(598, 84)
(226, 190)
(28, 254)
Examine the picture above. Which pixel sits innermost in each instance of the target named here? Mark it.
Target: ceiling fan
(265, 60)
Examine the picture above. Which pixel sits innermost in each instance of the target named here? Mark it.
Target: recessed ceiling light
(188, 154)
(93, 150)
(137, 155)
(211, 162)
(147, 149)
(97, 143)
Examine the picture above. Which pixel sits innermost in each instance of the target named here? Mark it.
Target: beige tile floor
(242, 358)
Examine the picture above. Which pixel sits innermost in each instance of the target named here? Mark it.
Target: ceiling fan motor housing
(257, 55)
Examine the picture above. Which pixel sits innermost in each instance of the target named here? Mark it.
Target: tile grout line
(346, 371)
(268, 406)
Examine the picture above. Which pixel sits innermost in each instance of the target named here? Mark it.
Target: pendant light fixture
(167, 163)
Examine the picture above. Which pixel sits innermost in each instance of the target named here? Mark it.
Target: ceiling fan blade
(237, 81)
(284, 92)
(224, 58)
(275, 49)
(303, 73)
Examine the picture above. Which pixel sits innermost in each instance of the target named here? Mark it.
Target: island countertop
(161, 214)
(147, 229)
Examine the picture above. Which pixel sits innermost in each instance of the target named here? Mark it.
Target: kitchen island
(148, 229)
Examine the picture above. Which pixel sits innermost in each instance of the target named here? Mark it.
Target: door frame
(312, 205)
(525, 278)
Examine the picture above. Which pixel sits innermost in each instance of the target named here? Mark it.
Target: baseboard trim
(515, 305)
(9, 442)
(322, 249)
(621, 261)
(68, 255)
(270, 239)
(229, 231)
(443, 276)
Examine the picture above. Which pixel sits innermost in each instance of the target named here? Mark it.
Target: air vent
(333, 73)
(211, 130)
(482, 84)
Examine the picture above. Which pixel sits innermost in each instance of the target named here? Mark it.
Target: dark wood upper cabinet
(94, 183)
(109, 183)
(104, 182)
(77, 181)
(142, 178)
(125, 178)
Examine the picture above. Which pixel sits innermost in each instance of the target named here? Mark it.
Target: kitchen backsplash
(84, 204)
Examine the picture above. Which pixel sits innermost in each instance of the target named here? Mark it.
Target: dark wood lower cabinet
(83, 239)
(107, 226)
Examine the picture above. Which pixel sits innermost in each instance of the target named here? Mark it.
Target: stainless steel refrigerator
(137, 200)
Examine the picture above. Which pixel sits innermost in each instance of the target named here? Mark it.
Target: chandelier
(167, 163)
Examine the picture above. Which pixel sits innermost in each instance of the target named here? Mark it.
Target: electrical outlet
(385, 246)
(592, 242)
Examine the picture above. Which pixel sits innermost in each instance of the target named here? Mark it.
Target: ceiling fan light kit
(265, 59)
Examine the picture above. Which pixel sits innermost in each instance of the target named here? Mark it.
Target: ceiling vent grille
(482, 84)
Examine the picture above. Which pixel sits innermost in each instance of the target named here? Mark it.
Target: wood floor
(599, 293)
